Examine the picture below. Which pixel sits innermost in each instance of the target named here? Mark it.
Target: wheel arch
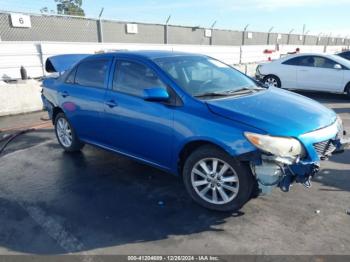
(55, 111)
(347, 87)
(190, 147)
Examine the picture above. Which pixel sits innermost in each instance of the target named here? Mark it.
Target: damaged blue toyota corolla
(227, 136)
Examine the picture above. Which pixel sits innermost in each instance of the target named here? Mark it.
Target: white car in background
(313, 72)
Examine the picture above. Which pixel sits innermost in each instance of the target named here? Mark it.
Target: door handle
(304, 70)
(64, 94)
(111, 103)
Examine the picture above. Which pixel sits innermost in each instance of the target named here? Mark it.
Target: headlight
(340, 127)
(258, 70)
(339, 122)
(278, 146)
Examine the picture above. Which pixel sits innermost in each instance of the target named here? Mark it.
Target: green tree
(70, 7)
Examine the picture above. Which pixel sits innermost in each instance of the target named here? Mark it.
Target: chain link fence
(79, 29)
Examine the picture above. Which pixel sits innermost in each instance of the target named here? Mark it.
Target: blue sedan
(226, 135)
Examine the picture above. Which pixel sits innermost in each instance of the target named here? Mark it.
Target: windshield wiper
(244, 90)
(239, 91)
(214, 94)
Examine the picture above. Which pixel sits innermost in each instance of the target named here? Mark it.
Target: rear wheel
(272, 80)
(217, 181)
(66, 135)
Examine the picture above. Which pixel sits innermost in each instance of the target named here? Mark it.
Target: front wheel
(66, 135)
(217, 181)
(272, 80)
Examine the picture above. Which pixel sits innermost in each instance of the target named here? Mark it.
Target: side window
(301, 61)
(71, 76)
(294, 61)
(132, 78)
(307, 61)
(92, 73)
(322, 62)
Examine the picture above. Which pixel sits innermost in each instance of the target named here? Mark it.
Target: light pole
(100, 32)
(288, 39)
(166, 30)
(268, 35)
(243, 35)
(211, 31)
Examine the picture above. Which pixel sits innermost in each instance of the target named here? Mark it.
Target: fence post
(240, 55)
(99, 30)
(165, 34)
(166, 30)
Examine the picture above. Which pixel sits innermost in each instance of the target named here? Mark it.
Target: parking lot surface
(96, 202)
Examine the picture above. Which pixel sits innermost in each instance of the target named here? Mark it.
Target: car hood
(275, 111)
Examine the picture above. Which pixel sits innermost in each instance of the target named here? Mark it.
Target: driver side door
(133, 126)
(319, 74)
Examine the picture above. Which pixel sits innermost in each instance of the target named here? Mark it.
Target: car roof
(336, 58)
(307, 54)
(290, 56)
(148, 54)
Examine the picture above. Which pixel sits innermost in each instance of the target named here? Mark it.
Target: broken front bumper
(272, 171)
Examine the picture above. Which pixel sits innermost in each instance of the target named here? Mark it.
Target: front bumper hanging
(272, 171)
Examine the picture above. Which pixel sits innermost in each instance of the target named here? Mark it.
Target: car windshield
(341, 60)
(204, 76)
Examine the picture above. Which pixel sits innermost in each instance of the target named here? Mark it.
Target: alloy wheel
(271, 81)
(215, 181)
(64, 132)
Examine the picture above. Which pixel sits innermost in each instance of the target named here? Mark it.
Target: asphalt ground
(96, 202)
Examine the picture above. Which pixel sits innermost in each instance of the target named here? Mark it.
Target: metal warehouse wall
(74, 29)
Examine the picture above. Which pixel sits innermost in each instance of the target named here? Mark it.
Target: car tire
(66, 135)
(272, 80)
(347, 90)
(237, 181)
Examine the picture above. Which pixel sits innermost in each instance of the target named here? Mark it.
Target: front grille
(325, 148)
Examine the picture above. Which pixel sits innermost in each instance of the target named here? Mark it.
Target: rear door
(319, 73)
(82, 96)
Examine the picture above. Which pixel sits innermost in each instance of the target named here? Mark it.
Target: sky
(318, 16)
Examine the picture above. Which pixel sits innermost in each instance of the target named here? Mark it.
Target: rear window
(92, 73)
(71, 76)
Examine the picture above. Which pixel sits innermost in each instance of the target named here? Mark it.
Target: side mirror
(156, 94)
(338, 67)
